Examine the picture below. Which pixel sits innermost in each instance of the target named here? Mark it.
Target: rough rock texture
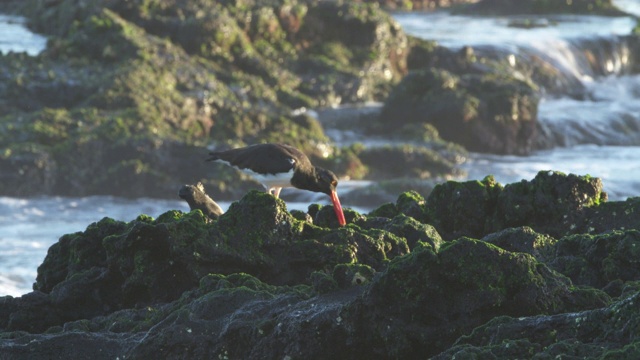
(127, 90)
(551, 203)
(607, 333)
(128, 94)
(483, 112)
(400, 282)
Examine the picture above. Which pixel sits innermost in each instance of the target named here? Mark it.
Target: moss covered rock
(125, 85)
(458, 209)
(607, 333)
(448, 293)
(260, 282)
(150, 260)
(553, 203)
(604, 261)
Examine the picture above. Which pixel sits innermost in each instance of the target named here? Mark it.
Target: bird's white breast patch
(268, 180)
(271, 180)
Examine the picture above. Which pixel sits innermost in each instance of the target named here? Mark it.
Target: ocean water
(15, 37)
(28, 227)
(599, 135)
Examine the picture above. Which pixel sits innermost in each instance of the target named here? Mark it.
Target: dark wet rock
(33, 312)
(115, 265)
(439, 306)
(197, 198)
(412, 204)
(522, 239)
(608, 333)
(348, 275)
(461, 209)
(415, 232)
(553, 203)
(261, 282)
(482, 112)
(598, 260)
(406, 161)
(612, 215)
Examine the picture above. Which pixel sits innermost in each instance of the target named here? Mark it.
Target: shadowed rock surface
(400, 282)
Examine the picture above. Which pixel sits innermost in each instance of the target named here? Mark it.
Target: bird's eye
(334, 183)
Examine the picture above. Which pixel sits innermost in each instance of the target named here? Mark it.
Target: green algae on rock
(461, 208)
(597, 260)
(605, 333)
(552, 203)
(156, 260)
(522, 239)
(130, 84)
(394, 283)
(448, 293)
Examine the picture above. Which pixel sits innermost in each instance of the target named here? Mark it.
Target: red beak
(338, 208)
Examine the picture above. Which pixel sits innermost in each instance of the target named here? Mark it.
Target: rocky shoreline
(128, 95)
(544, 267)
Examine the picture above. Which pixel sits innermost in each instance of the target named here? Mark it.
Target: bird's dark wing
(262, 158)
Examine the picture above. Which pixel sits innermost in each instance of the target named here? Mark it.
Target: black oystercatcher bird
(277, 166)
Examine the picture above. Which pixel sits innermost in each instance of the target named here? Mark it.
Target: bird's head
(327, 183)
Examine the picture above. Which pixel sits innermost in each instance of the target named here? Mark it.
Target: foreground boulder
(400, 282)
(606, 333)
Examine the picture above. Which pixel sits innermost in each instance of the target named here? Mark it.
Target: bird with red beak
(277, 165)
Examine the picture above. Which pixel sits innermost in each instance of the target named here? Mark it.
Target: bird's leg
(275, 191)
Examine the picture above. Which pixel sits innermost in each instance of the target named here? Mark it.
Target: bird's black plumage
(279, 165)
(263, 158)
